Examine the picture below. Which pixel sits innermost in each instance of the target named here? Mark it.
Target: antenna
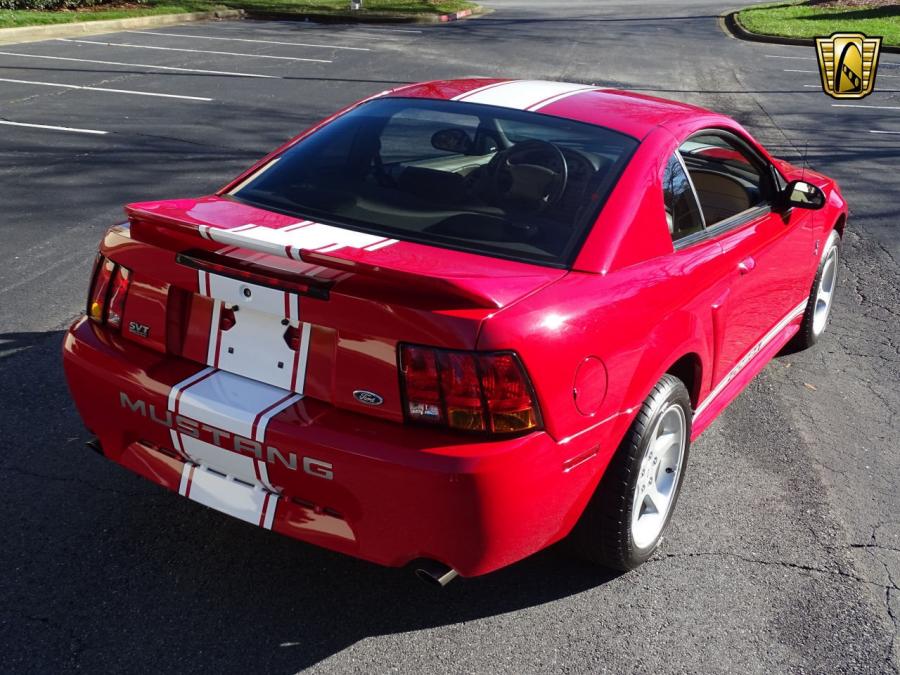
(805, 163)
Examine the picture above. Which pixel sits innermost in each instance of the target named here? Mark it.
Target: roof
(624, 111)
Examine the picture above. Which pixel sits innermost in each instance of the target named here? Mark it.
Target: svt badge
(848, 62)
(139, 329)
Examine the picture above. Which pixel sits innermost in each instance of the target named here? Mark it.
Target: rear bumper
(390, 493)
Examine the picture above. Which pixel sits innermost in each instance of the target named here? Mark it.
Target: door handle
(747, 265)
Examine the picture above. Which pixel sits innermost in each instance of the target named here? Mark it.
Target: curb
(732, 25)
(458, 16)
(36, 33)
(369, 17)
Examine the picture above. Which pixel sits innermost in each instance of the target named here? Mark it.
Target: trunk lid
(309, 307)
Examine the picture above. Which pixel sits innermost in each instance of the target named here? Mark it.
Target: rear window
(478, 178)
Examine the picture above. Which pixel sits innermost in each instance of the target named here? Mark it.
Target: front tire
(821, 296)
(629, 513)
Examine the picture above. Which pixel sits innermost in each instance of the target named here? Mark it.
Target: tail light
(486, 392)
(106, 303)
(117, 292)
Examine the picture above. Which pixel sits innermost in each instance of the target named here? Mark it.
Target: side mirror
(452, 140)
(802, 195)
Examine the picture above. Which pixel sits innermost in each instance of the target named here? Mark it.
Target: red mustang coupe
(457, 321)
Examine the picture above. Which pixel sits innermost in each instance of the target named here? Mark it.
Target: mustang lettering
(194, 429)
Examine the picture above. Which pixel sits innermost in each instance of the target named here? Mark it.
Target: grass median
(811, 19)
(24, 17)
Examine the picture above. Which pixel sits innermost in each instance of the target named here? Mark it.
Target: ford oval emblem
(367, 397)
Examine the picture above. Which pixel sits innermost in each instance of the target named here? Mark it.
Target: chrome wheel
(658, 478)
(825, 291)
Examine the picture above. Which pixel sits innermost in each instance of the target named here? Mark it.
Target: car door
(762, 247)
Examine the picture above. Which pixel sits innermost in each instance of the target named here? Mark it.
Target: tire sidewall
(807, 334)
(672, 392)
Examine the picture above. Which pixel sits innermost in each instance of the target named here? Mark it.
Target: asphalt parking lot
(785, 552)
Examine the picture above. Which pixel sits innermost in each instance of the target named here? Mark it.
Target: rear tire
(821, 296)
(630, 511)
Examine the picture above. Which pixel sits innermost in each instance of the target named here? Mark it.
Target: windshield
(479, 178)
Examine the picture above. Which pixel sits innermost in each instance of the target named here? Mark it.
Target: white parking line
(141, 65)
(311, 31)
(779, 56)
(881, 64)
(860, 105)
(883, 91)
(379, 33)
(267, 42)
(52, 128)
(816, 72)
(105, 89)
(193, 51)
(876, 131)
(395, 30)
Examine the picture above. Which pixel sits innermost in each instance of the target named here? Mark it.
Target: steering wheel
(532, 172)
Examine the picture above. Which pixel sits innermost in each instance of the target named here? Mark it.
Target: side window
(682, 213)
(726, 178)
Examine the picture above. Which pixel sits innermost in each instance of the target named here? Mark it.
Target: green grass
(802, 20)
(14, 18)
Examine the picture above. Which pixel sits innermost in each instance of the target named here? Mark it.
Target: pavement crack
(784, 564)
(876, 546)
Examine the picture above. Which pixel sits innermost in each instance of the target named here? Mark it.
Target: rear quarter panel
(632, 302)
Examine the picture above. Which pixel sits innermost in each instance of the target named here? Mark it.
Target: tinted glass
(489, 180)
(728, 181)
(682, 214)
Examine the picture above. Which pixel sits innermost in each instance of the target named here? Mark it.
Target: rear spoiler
(186, 235)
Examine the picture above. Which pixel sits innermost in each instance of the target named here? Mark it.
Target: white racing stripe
(478, 90)
(229, 481)
(264, 476)
(255, 346)
(287, 242)
(212, 350)
(140, 65)
(248, 503)
(50, 127)
(175, 393)
(263, 419)
(230, 463)
(523, 94)
(231, 39)
(229, 402)
(560, 97)
(193, 51)
(750, 355)
(381, 244)
(104, 89)
(253, 376)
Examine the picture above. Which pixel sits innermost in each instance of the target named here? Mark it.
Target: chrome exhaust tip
(94, 444)
(435, 573)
